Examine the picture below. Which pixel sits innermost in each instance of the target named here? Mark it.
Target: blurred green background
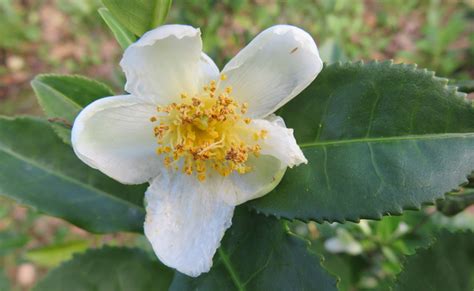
(68, 36)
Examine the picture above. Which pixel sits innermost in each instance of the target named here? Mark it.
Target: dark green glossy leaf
(259, 253)
(379, 138)
(123, 36)
(109, 268)
(63, 96)
(139, 16)
(447, 265)
(38, 169)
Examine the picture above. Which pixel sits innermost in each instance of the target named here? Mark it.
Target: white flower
(205, 140)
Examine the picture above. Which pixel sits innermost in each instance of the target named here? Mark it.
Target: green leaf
(38, 169)
(53, 255)
(466, 86)
(139, 16)
(11, 241)
(63, 96)
(447, 265)
(123, 36)
(456, 202)
(331, 52)
(259, 253)
(109, 268)
(379, 138)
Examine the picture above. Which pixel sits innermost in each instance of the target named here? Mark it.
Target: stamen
(206, 133)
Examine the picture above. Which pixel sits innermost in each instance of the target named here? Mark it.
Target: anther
(205, 132)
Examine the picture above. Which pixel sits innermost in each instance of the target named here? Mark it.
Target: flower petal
(164, 62)
(208, 70)
(115, 136)
(272, 69)
(280, 141)
(185, 221)
(267, 172)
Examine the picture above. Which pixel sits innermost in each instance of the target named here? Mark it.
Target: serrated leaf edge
(399, 209)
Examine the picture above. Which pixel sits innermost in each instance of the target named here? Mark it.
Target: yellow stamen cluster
(206, 131)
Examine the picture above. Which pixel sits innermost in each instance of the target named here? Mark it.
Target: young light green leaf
(109, 268)
(63, 96)
(379, 138)
(38, 169)
(123, 36)
(53, 255)
(259, 253)
(332, 52)
(446, 265)
(139, 16)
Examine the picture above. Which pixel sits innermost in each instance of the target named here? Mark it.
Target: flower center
(205, 132)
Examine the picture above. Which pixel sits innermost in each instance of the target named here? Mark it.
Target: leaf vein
(323, 117)
(325, 169)
(372, 111)
(68, 179)
(228, 265)
(388, 139)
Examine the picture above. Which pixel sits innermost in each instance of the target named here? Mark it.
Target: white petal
(266, 173)
(164, 62)
(209, 70)
(280, 141)
(185, 221)
(272, 69)
(115, 136)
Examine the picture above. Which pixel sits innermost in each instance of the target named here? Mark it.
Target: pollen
(205, 133)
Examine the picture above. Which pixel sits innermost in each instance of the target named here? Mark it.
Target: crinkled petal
(115, 136)
(186, 220)
(164, 62)
(266, 173)
(279, 142)
(272, 69)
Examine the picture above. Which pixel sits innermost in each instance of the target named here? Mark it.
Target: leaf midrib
(389, 139)
(40, 80)
(154, 18)
(233, 274)
(68, 179)
(66, 98)
(108, 18)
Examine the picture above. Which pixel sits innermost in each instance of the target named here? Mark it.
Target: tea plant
(348, 141)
